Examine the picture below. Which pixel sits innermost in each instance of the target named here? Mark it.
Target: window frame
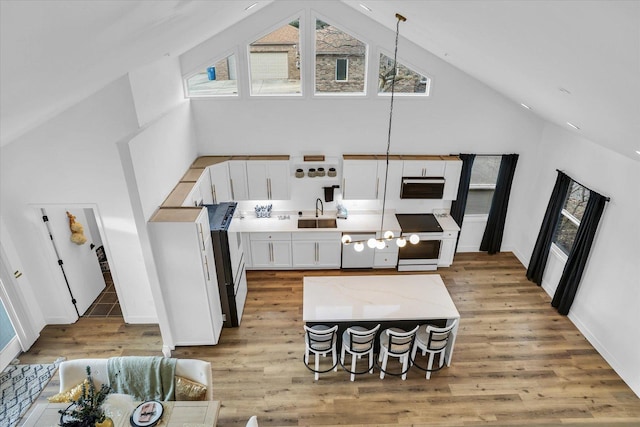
(300, 63)
(473, 186)
(207, 64)
(429, 84)
(313, 56)
(564, 213)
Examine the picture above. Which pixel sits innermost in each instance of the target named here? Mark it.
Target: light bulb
(401, 242)
(358, 247)
(414, 239)
(380, 244)
(388, 234)
(346, 239)
(372, 243)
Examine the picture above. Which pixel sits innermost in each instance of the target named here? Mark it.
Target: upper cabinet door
(426, 168)
(238, 179)
(360, 179)
(268, 180)
(220, 184)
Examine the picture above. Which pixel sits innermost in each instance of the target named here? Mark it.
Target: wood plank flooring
(516, 361)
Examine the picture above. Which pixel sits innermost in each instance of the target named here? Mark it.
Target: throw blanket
(144, 377)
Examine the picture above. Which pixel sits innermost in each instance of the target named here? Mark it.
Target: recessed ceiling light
(525, 106)
(365, 7)
(573, 126)
(251, 6)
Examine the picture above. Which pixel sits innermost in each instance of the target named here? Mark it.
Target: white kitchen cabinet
(270, 250)
(238, 179)
(386, 257)
(423, 168)
(452, 172)
(220, 182)
(360, 179)
(268, 179)
(181, 243)
(200, 193)
(316, 249)
(447, 248)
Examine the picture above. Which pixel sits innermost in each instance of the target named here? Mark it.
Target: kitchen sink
(317, 223)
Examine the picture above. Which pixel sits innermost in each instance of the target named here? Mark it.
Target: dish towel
(143, 377)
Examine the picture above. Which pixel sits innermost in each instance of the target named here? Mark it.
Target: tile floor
(107, 304)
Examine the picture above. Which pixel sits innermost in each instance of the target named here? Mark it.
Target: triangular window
(219, 79)
(407, 80)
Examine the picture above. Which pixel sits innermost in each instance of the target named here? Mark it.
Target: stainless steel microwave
(422, 188)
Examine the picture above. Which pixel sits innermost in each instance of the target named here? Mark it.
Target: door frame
(57, 276)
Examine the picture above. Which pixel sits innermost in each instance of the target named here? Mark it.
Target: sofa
(74, 372)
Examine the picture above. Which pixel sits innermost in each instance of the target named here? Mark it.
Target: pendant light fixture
(380, 243)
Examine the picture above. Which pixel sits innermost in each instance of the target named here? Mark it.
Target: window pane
(218, 79)
(485, 170)
(570, 217)
(479, 201)
(333, 44)
(565, 234)
(577, 200)
(341, 69)
(274, 62)
(407, 80)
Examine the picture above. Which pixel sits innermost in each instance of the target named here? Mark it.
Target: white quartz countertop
(365, 222)
(355, 223)
(389, 297)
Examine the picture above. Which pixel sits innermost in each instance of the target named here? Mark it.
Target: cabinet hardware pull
(344, 188)
(377, 186)
(213, 194)
(206, 263)
(201, 235)
(233, 194)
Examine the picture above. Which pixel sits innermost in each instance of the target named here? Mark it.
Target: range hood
(422, 188)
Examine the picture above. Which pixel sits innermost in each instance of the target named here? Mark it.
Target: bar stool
(396, 342)
(358, 342)
(433, 340)
(320, 340)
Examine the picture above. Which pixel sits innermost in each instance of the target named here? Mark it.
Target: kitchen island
(392, 300)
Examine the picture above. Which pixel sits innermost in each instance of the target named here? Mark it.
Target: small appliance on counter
(342, 212)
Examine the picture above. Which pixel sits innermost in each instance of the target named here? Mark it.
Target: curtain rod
(577, 182)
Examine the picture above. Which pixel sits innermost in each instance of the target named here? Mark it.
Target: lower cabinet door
(329, 254)
(304, 254)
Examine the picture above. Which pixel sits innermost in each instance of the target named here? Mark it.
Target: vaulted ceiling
(569, 61)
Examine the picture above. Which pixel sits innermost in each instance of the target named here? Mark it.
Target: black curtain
(577, 260)
(492, 238)
(540, 253)
(459, 205)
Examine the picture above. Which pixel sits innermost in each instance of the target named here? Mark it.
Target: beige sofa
(73, 372)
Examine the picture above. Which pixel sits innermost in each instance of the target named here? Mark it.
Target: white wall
(606, 305)
(73, 159)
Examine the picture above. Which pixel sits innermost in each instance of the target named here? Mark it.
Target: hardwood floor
(516, 361)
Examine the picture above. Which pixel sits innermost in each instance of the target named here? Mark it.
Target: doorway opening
(107, 303)
(82, 260)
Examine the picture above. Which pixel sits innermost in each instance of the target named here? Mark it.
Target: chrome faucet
(321, 207)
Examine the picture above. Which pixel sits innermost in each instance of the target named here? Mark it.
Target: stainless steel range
(422, 256)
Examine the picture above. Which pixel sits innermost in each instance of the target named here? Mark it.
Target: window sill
(558, 253)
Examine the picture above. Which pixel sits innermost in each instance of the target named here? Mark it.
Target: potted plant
(87, 410)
